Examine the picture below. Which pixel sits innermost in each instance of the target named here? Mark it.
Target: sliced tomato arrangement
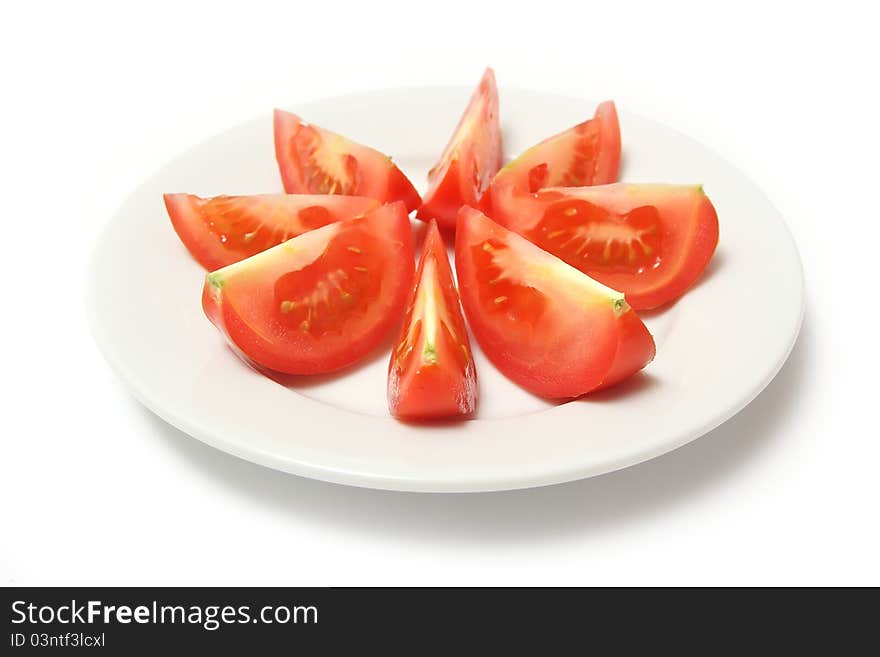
(222, 230)
(586, 154)
(551, 268)
(313, 160)
(650, 242)
(470, 160)
(431, 374)
(546, 325)
(319, 301)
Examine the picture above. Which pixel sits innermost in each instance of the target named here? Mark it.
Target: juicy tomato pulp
(225, 229)
(431, 374)
(319, 301)
(587, 154)
(547, 326)
(650, 242)
(470, 160)
(313, 160)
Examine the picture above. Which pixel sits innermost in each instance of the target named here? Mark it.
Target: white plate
(717, 348)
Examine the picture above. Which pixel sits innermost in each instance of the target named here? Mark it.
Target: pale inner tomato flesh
(431, 323)
(319, 297)
(527, 286)
(590, 237)
(503, 292)
(580, 166)
(326, 166)
(251, 225)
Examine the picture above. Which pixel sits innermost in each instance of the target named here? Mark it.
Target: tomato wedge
(431, 374)
(545, 325)
(319, 301)
(587, 154)
(470, 160)
(651, 242)
(313, 160)
(225, 229)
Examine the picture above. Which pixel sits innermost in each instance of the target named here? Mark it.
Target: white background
(95, 490)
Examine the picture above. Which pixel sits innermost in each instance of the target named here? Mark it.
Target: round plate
(717, 347)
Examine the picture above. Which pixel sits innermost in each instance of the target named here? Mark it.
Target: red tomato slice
(587, 154)
(319, 301)
(651, 242)
(225, 229)
(431, 374)
(547, 326)
(316, 161)
(470, 160)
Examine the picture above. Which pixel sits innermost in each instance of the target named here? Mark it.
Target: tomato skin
(585, 154)
(199, 222)
(552, 330)
(444, 198)
(350, 278)
(608, 161)
(401, 189)
(337, 166)
(635, 349)
(686, 233)
(431, 374)
(470, 160)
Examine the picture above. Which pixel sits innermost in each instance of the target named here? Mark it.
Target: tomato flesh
(470, 160)
(586, 154)
(313, 160)
(431, 374)
(222, 230)
(651, 242)
(545, 325)
(319, 301)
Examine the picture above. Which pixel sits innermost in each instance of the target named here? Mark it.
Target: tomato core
(590, 237)
(325, 171)
(315, 298)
